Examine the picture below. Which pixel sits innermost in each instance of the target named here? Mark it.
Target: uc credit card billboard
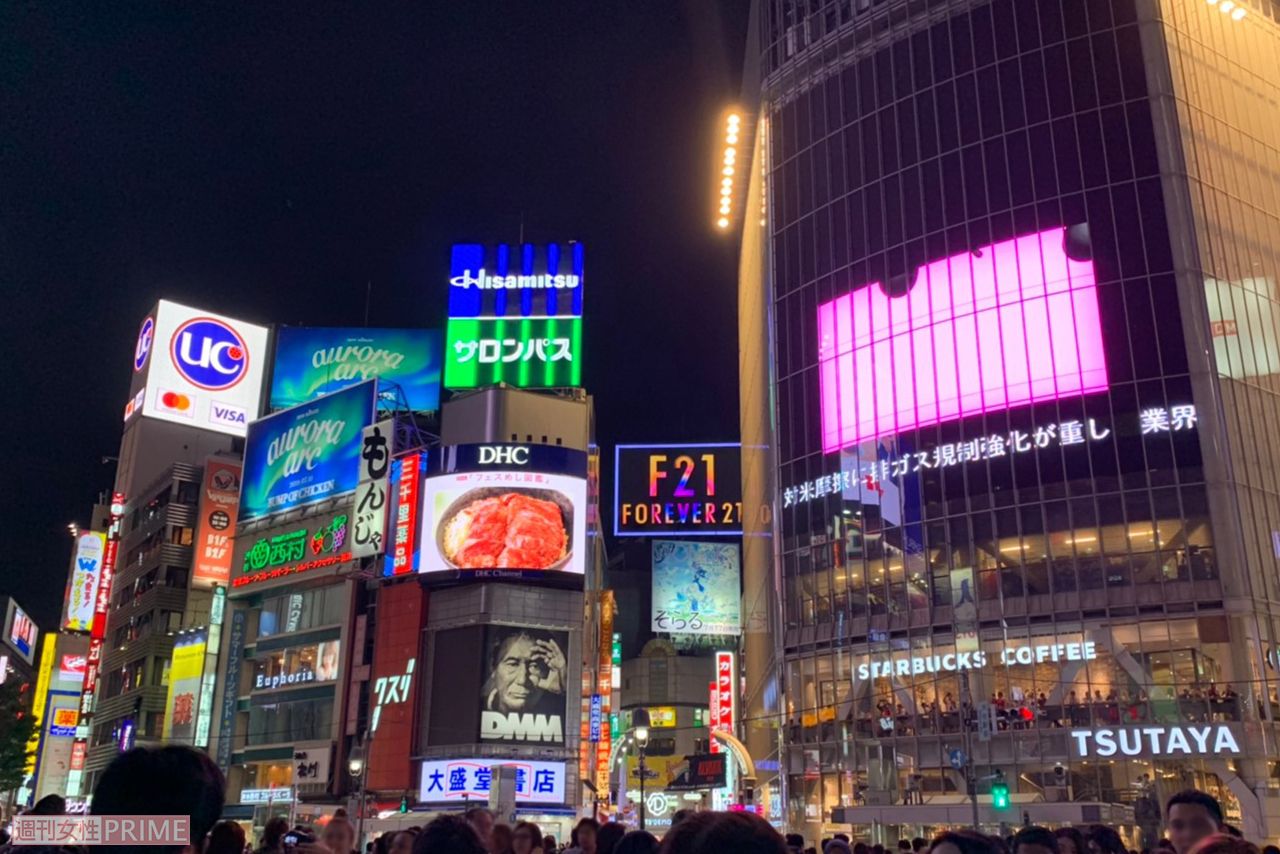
(311, 362)
(198, 368)
(505, 509)
(691, 490)
(305, 454)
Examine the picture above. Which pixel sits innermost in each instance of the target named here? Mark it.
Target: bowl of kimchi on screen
(507, 528)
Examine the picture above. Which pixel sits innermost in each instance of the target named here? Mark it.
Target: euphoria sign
(685, 490)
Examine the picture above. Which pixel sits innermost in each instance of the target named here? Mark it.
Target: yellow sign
(662, 717)
(659, 771)
(66, 717)
(183, 701)
(47, 654)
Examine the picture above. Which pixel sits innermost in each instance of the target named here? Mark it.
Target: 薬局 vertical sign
(370, 515)
(515, 316)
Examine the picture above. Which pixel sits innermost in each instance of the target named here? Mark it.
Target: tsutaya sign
(954, 661)
(1210, 740)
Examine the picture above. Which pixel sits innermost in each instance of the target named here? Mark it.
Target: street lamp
(357, 766)
(640, 729)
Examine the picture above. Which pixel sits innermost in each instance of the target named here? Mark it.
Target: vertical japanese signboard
(370, 517)
(713, 708)
(726, 693)
(219, 506)
(406, 477)
(82, 589)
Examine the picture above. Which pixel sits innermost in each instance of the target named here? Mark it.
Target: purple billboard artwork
(1012, 323)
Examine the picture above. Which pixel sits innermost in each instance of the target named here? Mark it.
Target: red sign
(93, 661)
(78, 750)
(393, 686)
(726, 701)
(219, 505)
(713, 717)
(71, 668)
(406, 515)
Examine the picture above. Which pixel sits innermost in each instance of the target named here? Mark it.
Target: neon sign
(542, 352)
(1011, 323)
(515, 281)
(1156, 741)
(268, 557)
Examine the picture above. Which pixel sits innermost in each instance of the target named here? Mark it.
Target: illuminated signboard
(1007, 324)
(198, 368)
(681, 490)
(696, 589)
(311, 362)
(219, 506)
(536, 352)
(71, 669)
(63, 722)
(662, 717)
(185, 670)
(520, 281)
(951, 662)
(462, 779)
(296, 551)
(861, 483)
(306, 454)
(318, 662)
(726, 692)
(20, 632)
(505, 509)
(524, 696)
(1207, 740)
(82, 588)
(369, 516)
(406, 475)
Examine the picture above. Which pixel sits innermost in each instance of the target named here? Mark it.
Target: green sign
(527, 352)
(294, 546)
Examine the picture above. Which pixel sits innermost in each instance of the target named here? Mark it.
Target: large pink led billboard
(1007, 324)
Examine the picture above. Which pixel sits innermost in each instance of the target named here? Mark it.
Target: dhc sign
(1212, 740)
(503, 455)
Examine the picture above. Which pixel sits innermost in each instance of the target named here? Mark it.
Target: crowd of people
(176, 780)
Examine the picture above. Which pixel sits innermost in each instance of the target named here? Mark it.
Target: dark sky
(267, 160)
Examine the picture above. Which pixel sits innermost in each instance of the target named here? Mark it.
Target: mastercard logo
(173, 400)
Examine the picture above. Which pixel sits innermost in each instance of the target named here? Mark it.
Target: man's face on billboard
(518, 672)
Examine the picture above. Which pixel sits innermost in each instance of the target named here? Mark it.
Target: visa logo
(228, 415)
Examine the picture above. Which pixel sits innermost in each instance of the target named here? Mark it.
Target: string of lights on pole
(727, 167)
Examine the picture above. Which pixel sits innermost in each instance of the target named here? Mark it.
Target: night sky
(266, 161)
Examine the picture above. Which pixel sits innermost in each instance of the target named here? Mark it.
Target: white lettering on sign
(314, 436)
(514, 726)
(505, 455)
(1156, 741)
(542, 281)
(391, 690)
(955, 661)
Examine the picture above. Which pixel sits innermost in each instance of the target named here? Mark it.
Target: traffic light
(404, 803)
(999, 792)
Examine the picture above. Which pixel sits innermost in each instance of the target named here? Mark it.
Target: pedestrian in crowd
(227, 837)
(1071, 841)
(481, 820)
(965, 842)
(919, 844)
(500, 839)
(1224, 843)
(609, 836)
(861, 848)
(401, 841)
(795, 843)
(449, 834)
(1035, 840)
(527, 838)
(549, 845)
(272, 834)
(169, 780)
(717, 832)
(1270, 849)
(637, 842)
(1192, 815)
(1104, 840)
(681, 814)
(836, 845)
(903, 844)
(584, 837)
(340, 834)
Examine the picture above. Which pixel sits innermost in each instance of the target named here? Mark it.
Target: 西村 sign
(311, 362)
(955, 661)
(684, 490)
(86, 573)
(296, 551)
(461, 779)
(519, 281)
(1189, 740)
(197, 368)
(531, 352)
(305, 454)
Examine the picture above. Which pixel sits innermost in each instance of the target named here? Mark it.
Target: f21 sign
(678, 490)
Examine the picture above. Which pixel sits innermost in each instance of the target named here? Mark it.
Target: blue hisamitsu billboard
(526, 280)
(313, 361)
(305, 454)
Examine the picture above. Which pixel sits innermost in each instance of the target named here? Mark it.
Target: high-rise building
(1010, 329)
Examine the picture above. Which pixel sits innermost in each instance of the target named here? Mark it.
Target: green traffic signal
(404, 803)
(1000, 795)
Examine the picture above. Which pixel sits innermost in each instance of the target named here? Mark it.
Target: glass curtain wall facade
(1020, 279)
